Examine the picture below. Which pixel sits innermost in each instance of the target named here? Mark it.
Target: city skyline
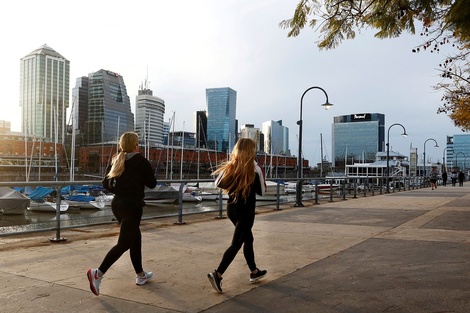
(212, 47)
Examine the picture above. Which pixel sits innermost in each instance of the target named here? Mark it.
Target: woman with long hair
(241, 178)
(126, 177)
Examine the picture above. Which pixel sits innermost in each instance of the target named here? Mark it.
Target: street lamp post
(326, 105)
(443, 157)
(424, 154)
(456, 159)
(388, 150)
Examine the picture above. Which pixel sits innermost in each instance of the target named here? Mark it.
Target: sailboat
(40, 201)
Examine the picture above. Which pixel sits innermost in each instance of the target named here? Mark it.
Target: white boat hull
(47, 206)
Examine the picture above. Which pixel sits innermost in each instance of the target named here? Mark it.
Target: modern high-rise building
(109, 107)
(200, 125)
(457, 151)
(276, 138)
(221, 118)
(249, 131)
(44, 93)
(149, 112)
(80, 108)
(357, 138)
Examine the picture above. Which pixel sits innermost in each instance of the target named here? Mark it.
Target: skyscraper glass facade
(357, 137)
(44, 93)
(109, 108)
(221, 118)
(458, 151)
(276, 138)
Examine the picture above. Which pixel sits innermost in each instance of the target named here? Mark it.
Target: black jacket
(131, 184)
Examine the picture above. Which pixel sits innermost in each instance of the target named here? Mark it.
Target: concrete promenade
(399, 252)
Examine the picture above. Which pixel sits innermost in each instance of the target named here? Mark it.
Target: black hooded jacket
(131, 184)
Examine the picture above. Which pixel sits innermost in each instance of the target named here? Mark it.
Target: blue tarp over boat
(40, 193)
(79, 189)
(80, 198)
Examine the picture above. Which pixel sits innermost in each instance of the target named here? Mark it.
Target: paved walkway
(400, 252)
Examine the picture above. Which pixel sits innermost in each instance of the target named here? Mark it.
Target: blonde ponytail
(127, 143)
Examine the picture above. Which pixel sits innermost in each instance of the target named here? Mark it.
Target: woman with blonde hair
(241, 178)
(126, 177)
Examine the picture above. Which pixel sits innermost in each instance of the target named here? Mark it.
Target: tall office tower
(109, 107)
(249, 131)
(200, 125)
(44, 93)
(149, 112)
(276, 138)
(357, 138)
(80, 108)
(166, 132)
(221, 122)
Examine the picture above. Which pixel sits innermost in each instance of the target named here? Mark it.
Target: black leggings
(128, 214)
(243, 218)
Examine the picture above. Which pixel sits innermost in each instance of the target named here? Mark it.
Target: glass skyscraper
(357, 137)
(109, 107)
(458, 152)
(276, 138)
(221, 118)
(44, 93)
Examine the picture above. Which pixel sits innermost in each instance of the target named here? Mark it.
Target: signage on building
(360, 117)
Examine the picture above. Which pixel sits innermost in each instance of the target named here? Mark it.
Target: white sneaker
(141, 280)
(94, 280)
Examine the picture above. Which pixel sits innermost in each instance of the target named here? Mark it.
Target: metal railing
(339, 189)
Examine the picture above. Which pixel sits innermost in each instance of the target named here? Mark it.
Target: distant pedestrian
(444, 178)
(433, 178)
(453, 177)
(461, 178)
(241, 178)
(126, 177)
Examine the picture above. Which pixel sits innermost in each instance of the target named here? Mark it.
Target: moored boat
(12, 202)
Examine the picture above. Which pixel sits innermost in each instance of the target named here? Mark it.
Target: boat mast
(321, 151)
(172, 145)
(182, 150)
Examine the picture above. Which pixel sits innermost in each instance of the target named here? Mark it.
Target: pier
(407, 251)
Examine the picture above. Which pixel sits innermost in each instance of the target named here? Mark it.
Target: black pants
(243, 218)
(128, 214)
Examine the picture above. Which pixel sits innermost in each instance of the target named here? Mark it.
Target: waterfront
(32, 221)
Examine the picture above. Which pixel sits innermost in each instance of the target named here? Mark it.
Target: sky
(183, 47)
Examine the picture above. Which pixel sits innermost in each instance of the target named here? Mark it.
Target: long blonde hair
(239, 172)
(127, 143)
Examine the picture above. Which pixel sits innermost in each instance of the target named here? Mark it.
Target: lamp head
(327, 105)
(404, 134)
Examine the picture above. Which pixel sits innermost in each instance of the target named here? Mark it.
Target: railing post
(180, 204)
(331, 190)
(316, 192)
(278, 188)
(355, 188)
(57, 216)
(343, 182)
(220, 205)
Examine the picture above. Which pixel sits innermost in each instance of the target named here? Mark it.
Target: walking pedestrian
(461, 178)
(241, 178)
(433, 178)
(444, 178)
(453, 177)
(126, 177)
